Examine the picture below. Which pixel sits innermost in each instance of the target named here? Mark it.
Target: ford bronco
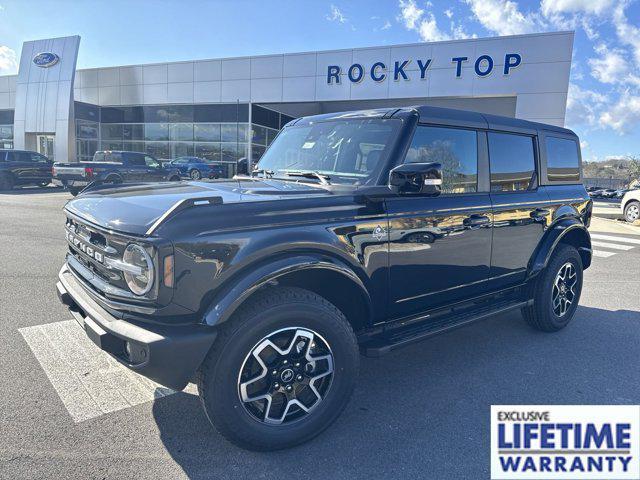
(356, 232)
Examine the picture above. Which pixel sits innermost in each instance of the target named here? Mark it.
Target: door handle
(476, 221)
(540, 213)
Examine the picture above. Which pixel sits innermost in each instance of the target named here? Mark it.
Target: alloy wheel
(195, 175)
(563, 292)
(285, 376)
(633, 213)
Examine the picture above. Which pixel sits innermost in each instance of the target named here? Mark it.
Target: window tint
(562, 160)
(150, 161)
(455, 149)
(512, 161)
(36, 157)
(137, 160)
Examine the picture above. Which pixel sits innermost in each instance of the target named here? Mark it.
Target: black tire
(6, 182)
(632, 211)
(44, 184)
(195, 174)
(74, 191)
(114, 179)
(542, 315)
(268, 312)
(175, 178)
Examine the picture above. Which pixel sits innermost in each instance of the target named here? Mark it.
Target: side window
(151, 162)
(512, 161)
(36, 157)
(563, 162)
(456, 149)
(135, 160)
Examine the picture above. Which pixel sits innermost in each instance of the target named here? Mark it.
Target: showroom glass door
(45, 144)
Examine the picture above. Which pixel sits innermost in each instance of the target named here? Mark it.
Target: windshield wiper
(267, 173)
(324, 179)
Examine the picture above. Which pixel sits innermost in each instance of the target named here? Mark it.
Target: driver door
(440, 247)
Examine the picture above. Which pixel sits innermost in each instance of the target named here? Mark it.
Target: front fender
(565, 228)
(226, 302)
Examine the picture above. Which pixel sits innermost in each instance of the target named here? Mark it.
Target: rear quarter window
(512, 162)
(563, 160)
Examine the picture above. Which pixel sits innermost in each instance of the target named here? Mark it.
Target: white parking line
(599, 253)
(88, 381)
(612, 246)
(599, 236)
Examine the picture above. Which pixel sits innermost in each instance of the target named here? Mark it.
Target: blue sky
(604, 100)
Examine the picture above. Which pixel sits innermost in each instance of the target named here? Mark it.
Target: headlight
(139, 278)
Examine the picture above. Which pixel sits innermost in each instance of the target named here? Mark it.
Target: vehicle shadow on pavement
(423, 411)
(31, 190)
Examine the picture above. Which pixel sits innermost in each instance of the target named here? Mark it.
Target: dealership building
(231, 108)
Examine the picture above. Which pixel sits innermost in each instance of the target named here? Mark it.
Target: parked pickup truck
(113, 167)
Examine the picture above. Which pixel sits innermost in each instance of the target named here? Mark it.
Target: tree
(634, 168)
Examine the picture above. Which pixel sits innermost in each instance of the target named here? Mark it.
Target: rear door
(520, 207)
(440, 247)
(21, 165)
(154, 171)
(43, 165)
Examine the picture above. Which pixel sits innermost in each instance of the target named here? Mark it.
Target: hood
(134, 209)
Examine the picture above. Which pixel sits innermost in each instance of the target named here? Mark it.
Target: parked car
(620, 192)
(630, 205)
(23, 167)
(608, 193)
(115, 167)
(196, 168)
(355, 233)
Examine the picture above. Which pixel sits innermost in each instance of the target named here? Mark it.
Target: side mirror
(416, 179)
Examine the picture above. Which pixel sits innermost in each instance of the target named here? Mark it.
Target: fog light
(136, 353)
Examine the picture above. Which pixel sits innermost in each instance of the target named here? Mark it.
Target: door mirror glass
(416, 179)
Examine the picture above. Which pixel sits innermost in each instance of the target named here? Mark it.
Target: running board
(401, 337)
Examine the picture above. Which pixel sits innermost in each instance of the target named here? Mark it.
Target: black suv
(356, 232)
(22, 167)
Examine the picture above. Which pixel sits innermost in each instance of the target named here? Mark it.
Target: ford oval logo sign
(46, 59)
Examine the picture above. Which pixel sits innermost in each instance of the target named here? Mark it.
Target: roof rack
(181, 205)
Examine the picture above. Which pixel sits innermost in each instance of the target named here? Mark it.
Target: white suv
(630, 205)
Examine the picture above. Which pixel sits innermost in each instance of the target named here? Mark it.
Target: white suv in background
(630, 205)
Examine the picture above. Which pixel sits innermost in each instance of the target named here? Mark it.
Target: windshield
(351, 151)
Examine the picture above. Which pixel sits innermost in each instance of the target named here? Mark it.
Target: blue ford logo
(46, 59)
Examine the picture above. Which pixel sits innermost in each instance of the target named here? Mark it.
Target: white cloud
(595, 7)
(448, 13)
(584, 106)
(386, 26)
(425, 23)
(336, 15)
(613, 67)
(628, 34)
(624, 115)
(8, 60)
(504, 17)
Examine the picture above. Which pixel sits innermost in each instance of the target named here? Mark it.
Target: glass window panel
(563, 162)
(512, 161)
(256, 152)
(133, 131)
(229, 132)
(6, 132)
(85, 129)
(133, 146)
(206, 132)
(111, 145)
(258, 135)
(271, 135)
(168, 113)
(8, 144)
(455, 149)
(209, 151)
(111, 132)
(181, 149)
(160, 150)
(6, 117)
(181, 131)
(243, 132)
(156, 131)
(233, 151)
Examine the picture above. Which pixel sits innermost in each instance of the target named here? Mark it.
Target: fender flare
(553, 237)
(226, 302)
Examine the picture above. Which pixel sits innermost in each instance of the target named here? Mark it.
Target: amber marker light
(168, 271)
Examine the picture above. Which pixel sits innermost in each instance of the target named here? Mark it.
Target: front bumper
(166, 354)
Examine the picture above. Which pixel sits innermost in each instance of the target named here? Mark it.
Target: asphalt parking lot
(419, 412)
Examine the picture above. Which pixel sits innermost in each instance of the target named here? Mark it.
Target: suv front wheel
(557, 291)
(281, 371)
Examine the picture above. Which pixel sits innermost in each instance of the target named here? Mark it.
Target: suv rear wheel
(281, 371)
(632, 212)
(557, 291)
